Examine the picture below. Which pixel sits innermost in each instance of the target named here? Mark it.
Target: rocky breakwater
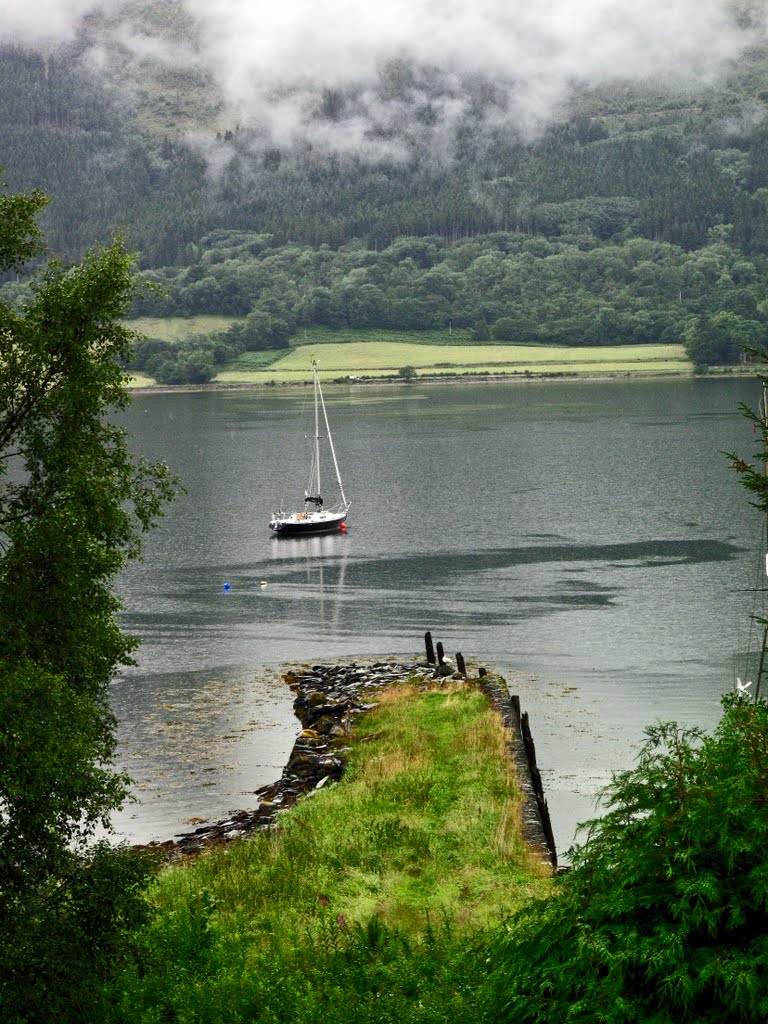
(328, 697)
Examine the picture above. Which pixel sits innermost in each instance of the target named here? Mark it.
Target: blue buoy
(226, 587)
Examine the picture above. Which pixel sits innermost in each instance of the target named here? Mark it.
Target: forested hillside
(663, 167)
(636, 215)
(503, 286)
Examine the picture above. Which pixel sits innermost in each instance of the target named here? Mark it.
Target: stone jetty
(328, 698)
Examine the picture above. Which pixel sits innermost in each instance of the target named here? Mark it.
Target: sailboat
(315, 518)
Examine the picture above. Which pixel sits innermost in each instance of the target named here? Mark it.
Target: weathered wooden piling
(430, 648)
(538, 786)
(440, 654)
(460, 666)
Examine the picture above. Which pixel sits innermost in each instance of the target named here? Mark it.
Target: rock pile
(327, 699)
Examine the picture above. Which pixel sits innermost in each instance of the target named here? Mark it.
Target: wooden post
(461, 667)
(482, 672)
(440, 653)
(762, 663)
(430, 648)
(514, 701)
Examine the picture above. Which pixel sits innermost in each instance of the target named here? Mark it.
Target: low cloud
(44, 21)
(537, 52)
(358, 77)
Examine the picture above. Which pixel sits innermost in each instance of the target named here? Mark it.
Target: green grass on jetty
(372, 901)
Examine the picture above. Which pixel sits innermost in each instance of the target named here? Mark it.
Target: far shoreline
(626, 376)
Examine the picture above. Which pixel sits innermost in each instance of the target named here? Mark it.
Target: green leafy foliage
(193, 361)
(720, 338)
(753, 474)
(513, 288)
(261, 329)
(332, 972)
(664, 915)
(20, 239)
(74, 504)
(373, 901)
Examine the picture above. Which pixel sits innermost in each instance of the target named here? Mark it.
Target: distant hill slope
(122, 136)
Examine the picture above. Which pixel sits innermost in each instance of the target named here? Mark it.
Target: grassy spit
(373, 901)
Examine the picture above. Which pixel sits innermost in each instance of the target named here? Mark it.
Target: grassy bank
(376, 353)
(372, 901)
(385, 358)
(175, 329)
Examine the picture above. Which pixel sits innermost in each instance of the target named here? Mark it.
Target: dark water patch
(586, 585)
(554, 601)
(428, 567)
(424, 568)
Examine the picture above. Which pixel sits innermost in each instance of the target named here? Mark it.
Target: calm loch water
(588, 540)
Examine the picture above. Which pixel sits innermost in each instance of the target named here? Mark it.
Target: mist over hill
(274, 66)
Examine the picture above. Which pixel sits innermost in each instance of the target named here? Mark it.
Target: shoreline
(626, 376)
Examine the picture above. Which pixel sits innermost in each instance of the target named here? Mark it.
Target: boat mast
(764, 419)
(318, 492)
(330, 443)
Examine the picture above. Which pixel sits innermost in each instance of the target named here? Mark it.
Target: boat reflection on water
(323, 559)
(319, 545)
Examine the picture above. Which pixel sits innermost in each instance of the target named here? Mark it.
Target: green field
(384, 359)
(140, 380)
(376, 353)
(179, 328)
(319, 334)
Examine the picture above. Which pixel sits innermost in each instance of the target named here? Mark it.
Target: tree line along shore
(247, 305)
(372, 356)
